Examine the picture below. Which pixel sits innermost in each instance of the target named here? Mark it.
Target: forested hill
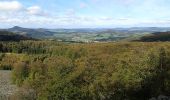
(9, 36)
(155, 37)
(34, 33)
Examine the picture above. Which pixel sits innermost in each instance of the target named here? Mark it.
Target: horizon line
(89, 27)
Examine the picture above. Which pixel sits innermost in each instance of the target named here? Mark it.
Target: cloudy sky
(84, 13)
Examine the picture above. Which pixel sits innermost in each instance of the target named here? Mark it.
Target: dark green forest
(155, 37)
(9, 36)
(49, 70)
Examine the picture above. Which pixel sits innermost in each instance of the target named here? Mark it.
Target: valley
(88, 35)
(84, 49)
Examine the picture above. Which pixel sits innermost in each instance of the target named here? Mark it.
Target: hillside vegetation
(34, 33)
(96, 71)
(9, 36)
(156, 37)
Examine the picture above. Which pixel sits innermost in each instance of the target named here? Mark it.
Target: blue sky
(84, 13)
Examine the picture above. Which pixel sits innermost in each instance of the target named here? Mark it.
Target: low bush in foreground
(97, 71)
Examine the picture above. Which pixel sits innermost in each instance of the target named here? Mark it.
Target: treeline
(28, 47)
(96, 71)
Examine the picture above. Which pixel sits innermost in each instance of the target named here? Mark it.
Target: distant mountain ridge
(87, 34)
(51, 31)
(35, 33)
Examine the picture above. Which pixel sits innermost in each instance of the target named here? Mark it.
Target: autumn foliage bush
(96, 71)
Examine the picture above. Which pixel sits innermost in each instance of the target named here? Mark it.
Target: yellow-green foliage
(96, 71)
(7, 60)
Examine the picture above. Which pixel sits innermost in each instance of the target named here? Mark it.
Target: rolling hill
(9, 36)
(88, 34)
(156, 37)
(34, 33)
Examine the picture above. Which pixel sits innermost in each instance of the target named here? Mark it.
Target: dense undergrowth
(96, 71)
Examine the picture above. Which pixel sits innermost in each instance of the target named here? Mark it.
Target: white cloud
(10, 6)
(35, 10)
(78, 21)
(35, 16)
(15, 7)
